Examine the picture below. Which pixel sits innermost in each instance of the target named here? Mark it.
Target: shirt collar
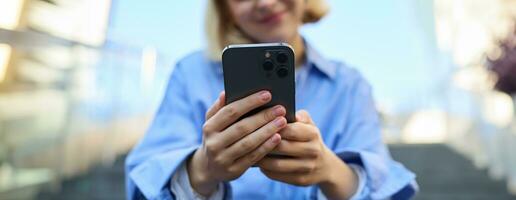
(313, 58)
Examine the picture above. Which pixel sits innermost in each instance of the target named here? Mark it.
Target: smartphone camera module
(268, 65)
(267, 54)
(281, 57)
(282, 72)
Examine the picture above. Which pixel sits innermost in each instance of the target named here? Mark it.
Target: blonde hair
(221, 31)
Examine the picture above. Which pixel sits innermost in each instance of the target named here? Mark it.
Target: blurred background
(81, 79)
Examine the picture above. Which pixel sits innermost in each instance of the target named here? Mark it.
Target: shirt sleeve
(361, 192)
(361, 144)
(362, 179)
(182, 189)
(173, 135)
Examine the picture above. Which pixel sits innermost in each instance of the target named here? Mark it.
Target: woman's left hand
(309, 161)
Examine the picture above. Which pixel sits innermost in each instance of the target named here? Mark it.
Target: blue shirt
(337, 97)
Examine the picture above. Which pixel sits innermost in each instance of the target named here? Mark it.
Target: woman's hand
(230, 146)
(309, 161)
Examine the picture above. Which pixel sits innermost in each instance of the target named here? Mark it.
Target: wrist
(201, 182)
(340, 181)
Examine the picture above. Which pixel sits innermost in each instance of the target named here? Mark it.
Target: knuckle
(310, 167)
(302, 181)
(312, 152)
(241, 128)
(234, 170)
(253, 157)
(245, 144)
(206, 128)
(210, 147)
(266, 116)
(218, 160)
(276, 164)
(231, 112)
(305, 168)
(257, 155)
(209, 113)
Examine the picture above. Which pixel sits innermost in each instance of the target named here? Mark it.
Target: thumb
(304, 117)
(219, 103)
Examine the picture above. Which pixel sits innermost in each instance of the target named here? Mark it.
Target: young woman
(196, 148)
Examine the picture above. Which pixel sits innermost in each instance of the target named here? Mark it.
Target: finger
(286, 165)
(257, 154)
(299, 179)
(233, 111)
(253, 140)
(249, 124)
(296, 149)
(298, 131)
(219, 103)
(304, 116)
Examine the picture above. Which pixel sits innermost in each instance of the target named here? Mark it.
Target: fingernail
(279, 122)
(265, 95)
(279, 111)
(275, 139)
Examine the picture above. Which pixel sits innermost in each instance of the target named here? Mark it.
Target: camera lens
(282, 72)
(268, 65)
(281, 58)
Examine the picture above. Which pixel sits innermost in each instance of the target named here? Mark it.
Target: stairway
(442, 175)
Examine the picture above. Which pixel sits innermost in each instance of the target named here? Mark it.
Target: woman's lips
(273, 18)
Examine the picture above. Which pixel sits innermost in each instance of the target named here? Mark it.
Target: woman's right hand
(230, 146)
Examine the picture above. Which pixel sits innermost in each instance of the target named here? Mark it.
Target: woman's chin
(274, 39)
(280, 36)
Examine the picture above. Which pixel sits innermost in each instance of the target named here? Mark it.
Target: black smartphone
(249, 68)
